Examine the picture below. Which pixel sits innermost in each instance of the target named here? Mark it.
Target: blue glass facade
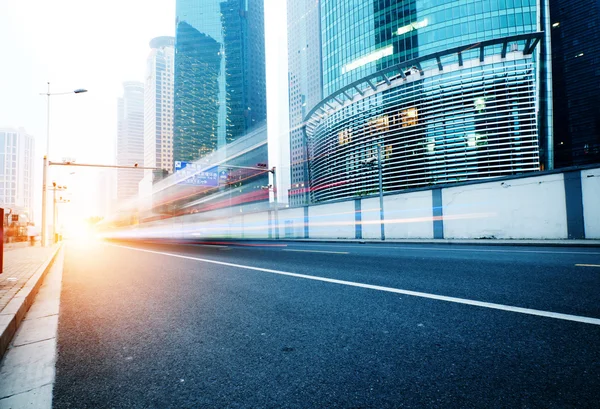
(220, 86)
(448, 90)
(361, 37)
(576, 80)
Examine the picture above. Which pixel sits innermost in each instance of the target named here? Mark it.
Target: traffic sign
(189, 174)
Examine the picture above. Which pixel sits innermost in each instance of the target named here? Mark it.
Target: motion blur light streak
(225, 228)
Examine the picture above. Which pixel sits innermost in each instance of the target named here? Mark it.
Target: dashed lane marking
(318, 251)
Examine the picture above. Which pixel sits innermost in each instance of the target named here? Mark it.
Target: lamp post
(381, 216)
(369, 163)
(48, 94)
(275, 202)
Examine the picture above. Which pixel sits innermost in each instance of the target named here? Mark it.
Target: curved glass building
(447, 91)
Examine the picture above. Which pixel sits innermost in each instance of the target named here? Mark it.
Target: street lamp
(369, 163)
(48, 94)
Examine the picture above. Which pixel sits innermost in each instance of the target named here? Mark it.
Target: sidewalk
(18, 245)
(23, 273)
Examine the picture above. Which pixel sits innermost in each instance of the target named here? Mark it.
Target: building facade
(444, 91)
(305, 86)
(130, 139)
(17, 150)
(220, 85)
(576, 80)
(158, 104)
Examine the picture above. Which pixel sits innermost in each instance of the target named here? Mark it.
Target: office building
(220, 85)
(130, 139)
(158, 104)
(445, 92)
(305, 86)
(17, 150)
(576, 81)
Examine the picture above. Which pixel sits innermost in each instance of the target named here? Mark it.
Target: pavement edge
(15, 311)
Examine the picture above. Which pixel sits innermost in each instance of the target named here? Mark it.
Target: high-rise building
(220, 85)
(305, 86)
(576, 81)
(443, 91)
(17, 149)
(106, 193)
(158, 104)
(130, 139)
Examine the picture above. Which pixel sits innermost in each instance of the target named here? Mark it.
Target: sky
(96, 45)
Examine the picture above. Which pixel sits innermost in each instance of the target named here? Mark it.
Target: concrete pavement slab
(36, 330)
(43, 308)
(27, 367)
(37, 398)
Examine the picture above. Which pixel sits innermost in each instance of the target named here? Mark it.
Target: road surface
(315, 325)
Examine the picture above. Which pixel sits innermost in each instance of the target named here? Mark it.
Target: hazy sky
(74, 44)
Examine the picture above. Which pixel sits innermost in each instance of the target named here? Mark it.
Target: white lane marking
(318, 251)
(501, 307)
(376, 246)
(587, 265)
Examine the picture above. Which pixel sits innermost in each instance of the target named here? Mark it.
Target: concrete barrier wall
(590, 186)
(371, 226)
(256, 226)
(409, 216)
(543, 206)
(291, 223)
(513, 209)
(332, 221)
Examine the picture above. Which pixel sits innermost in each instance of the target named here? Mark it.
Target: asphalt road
(317, 325)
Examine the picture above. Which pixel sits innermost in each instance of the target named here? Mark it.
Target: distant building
(158, 104)
(130, 139)
(576, 81)
(17, 150)
(305, 86)
(106, 201)
(220, 85)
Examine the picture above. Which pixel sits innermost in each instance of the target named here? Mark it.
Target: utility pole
(381, 215)
(369, 163)
(44, 194)
(48, 94)
(273, 171)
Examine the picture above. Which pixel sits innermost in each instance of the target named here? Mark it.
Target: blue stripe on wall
(358, 219)
(574, 202)
(438, 225)
(306, 232)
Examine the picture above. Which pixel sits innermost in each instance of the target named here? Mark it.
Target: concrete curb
(12, 315)
(471, 242)
(589, 243)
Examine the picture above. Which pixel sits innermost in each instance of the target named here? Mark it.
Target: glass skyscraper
(158, 105)
(220, 85)
(130, 139)
(448, 91)
(305, 86)
(576, 80)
